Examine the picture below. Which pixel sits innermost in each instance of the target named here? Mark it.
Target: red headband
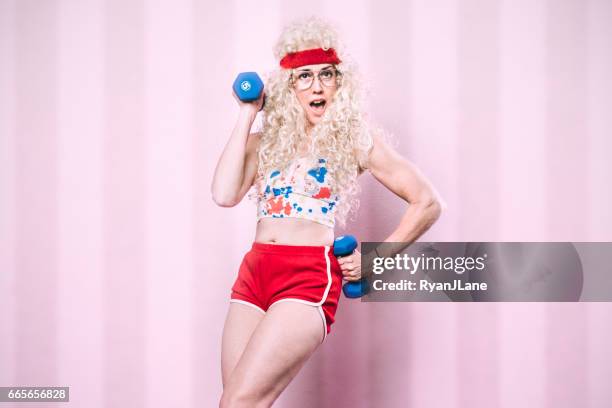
(309, 57)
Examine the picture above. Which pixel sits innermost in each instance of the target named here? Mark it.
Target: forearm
(417, 219)
(229, 172)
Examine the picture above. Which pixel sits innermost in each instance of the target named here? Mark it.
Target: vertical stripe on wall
(598, 392)
(522, 189)
(169, 207)
(125, 233)
(478, 81)
(478, 367)
(599, 114)
(36, 282)
(432, 94)
(567, 129)
(253, 52)
(214, 249)
(81, 273)
(522, 121)
(566, 352)
(567, 172)
(522, 355)
(8, 183)
(433, 354)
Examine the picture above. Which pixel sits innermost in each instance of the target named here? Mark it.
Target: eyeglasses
(303, 80)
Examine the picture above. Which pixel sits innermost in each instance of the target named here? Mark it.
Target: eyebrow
(309, 70)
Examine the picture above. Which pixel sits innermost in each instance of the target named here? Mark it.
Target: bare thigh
(284, 340)
(240, 324)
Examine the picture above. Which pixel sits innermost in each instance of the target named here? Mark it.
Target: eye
(327, 73)
(304, 75)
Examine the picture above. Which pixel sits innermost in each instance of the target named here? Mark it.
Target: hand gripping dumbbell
(248, 86)
(345, 245)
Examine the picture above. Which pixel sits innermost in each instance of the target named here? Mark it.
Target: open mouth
(318, 106)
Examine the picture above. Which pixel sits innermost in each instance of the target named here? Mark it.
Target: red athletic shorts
(271, 273)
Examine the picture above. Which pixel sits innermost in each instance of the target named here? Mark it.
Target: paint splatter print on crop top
(302, 190)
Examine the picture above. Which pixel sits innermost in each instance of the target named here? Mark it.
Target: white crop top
(301, 190)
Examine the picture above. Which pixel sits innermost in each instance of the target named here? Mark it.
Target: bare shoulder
(383, 153)
(380, 154)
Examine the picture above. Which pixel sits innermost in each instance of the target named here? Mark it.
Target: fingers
(346, 260)
(256, 104)
(351, 277)
(351, 266)
(353, 259)
(261, 101)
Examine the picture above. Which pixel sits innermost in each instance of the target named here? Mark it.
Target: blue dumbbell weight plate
(248, 86)
(344, 245)
(357, 289)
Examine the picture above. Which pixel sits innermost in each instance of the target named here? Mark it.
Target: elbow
(436, 207)
(433, 206)
(224, 203)
(223, 200)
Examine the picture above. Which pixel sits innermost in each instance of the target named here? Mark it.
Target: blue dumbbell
(248, 86)
(345, 245)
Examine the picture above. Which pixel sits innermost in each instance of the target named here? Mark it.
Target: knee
(239, 399)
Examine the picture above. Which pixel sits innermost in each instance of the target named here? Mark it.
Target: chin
(315, 120)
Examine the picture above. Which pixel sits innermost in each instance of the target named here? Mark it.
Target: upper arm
(250, 164)
(398, 174)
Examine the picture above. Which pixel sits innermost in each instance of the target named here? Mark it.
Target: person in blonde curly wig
(302, 170)
(340, 133)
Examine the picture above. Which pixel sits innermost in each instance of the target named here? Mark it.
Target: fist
(255, 105)
(350, 266)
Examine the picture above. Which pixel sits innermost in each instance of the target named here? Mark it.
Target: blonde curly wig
(341, 136)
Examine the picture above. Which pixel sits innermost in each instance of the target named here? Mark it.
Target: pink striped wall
(115, 264)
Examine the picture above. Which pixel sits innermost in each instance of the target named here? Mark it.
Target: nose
(316, 84)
